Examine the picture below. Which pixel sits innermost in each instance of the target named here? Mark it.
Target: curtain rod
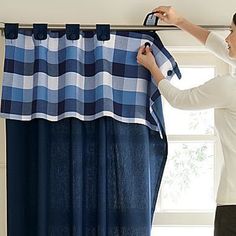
(122, 27)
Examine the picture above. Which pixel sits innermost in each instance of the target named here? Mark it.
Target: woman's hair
(234, 18)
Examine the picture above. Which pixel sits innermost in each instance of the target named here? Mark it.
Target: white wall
(125, 12)
(110, 11)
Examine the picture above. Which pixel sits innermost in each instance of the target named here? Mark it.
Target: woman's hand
(168, 15)
(146, 58)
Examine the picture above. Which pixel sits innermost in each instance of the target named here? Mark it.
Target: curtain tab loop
(11, 30)
(72, 31)
(103, 32)
(40, 31)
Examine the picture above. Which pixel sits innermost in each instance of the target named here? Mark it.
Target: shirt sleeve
(218, 46)
(212, 94)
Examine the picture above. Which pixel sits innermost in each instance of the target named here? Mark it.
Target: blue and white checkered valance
(85, 78)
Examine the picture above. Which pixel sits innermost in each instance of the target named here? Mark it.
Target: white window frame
(202, 59)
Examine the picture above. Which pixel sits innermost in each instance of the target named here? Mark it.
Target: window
(186, 201)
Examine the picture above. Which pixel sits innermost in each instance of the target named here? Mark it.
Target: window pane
(190, 122)
(187, 183)
(193, 76)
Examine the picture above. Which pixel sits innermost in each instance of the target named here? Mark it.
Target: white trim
(232, 70)
(185, 218)
(82, 117)
(187, 49)
(3, 165)
(191, 138)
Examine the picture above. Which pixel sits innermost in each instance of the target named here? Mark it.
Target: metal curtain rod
(123, 27)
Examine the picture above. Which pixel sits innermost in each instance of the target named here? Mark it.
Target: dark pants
(225, 221)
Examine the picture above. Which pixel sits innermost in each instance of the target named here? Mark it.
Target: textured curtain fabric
(75, 178)
(86, 145)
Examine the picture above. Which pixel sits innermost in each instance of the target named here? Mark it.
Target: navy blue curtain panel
(75, 178)
(86, 143)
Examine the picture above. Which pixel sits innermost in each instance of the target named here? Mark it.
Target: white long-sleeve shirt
(218, 93)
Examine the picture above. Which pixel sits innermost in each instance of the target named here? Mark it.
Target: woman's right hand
(168, 15)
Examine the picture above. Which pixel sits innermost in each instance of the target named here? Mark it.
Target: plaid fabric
(85, 78)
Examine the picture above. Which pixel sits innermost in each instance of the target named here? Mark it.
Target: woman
(218, 93)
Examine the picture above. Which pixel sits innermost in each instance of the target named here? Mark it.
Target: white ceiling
(110, 11)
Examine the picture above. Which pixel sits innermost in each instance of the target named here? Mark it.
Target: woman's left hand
(146, 58)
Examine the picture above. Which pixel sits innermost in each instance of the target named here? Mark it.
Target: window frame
(200, 59)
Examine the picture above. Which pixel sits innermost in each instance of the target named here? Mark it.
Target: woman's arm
(212, 41)
(212, 94)
(217, 46)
